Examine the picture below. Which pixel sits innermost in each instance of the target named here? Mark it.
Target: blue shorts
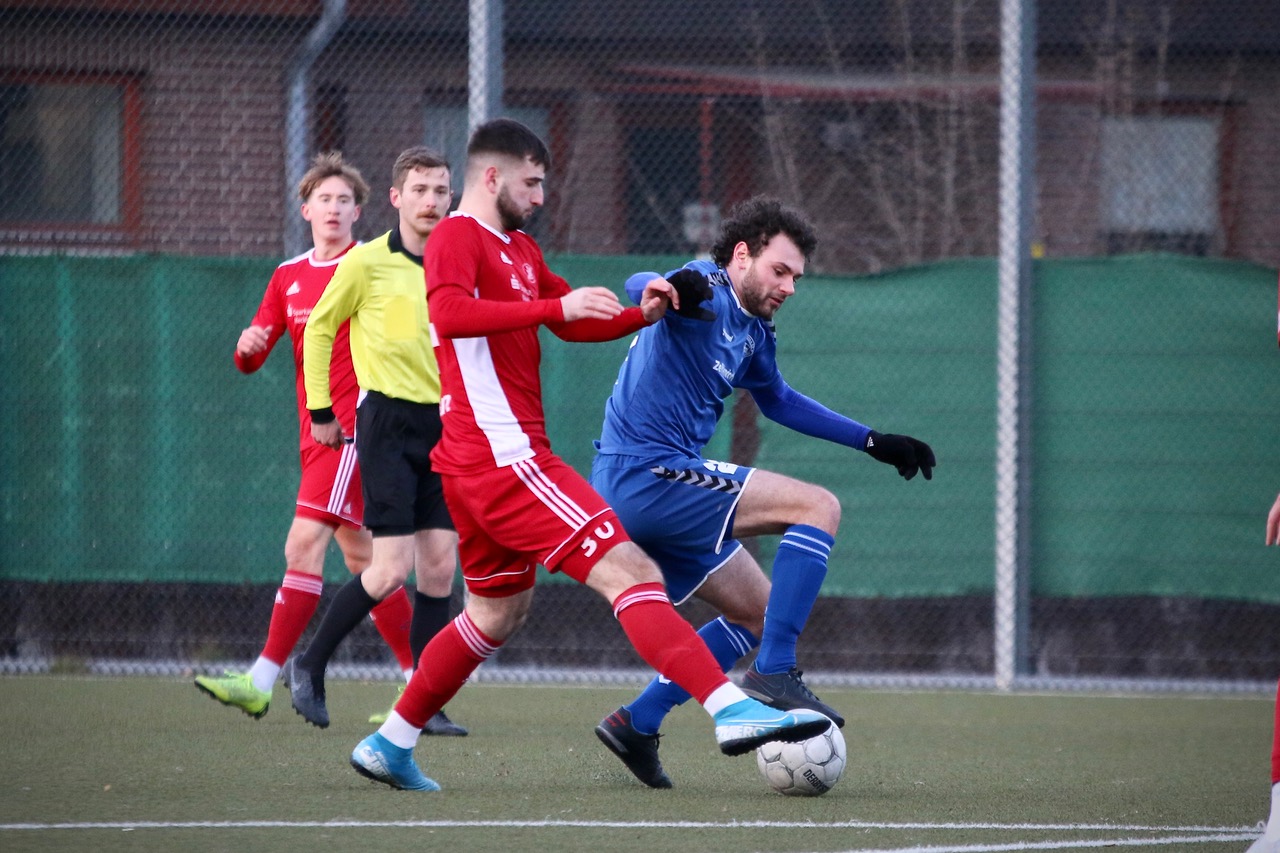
(679, 509)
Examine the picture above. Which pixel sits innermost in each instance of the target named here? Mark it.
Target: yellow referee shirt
(380, 287)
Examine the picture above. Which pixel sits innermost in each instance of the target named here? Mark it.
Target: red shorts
(537, 511)
(330, 487)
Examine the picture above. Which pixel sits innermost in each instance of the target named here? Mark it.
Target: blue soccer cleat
(744, 725)
(379, 759)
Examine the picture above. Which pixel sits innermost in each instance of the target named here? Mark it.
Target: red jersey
(487, 293)
(293, 291)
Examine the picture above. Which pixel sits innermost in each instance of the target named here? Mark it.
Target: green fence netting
(135, 451)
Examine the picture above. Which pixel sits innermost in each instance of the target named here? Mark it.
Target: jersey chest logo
(528, 285)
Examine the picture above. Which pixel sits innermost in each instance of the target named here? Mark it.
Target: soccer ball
(808, 768)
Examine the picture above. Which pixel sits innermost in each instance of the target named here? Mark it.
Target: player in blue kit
(688, 512)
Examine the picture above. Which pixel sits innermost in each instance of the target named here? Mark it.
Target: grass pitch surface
(142, 764)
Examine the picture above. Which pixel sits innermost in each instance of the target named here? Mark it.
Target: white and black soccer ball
(808, 768)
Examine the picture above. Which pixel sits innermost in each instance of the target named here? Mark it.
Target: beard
(511, 216)
(753, 299)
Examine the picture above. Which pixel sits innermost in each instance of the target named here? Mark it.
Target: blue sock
(798, 571)
(728, 642)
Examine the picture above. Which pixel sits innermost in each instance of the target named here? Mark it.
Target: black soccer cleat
(441, 726)
(638, 751)
(786, 691)
(306, 693)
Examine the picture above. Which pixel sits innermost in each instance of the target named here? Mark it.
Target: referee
(380, 287)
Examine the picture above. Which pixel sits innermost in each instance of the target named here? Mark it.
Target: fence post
(484, 59)
(1013, 348)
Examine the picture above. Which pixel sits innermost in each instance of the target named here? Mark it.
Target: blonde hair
(329, 164)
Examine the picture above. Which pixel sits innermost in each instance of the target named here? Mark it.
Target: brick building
(159, 125)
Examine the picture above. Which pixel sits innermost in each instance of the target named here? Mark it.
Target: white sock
(264, 674)
(1273, 822)
(399, 732)
(722, 697)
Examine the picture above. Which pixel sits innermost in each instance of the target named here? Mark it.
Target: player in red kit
(514, 502)
(1270, 840)
(329, 502)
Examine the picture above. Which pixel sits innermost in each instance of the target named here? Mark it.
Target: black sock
(430, 615)
(350, 605)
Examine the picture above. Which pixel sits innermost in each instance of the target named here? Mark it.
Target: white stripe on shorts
(550, 495)
(342, 480)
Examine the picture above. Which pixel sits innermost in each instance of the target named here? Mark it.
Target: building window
(329, 122)
(1160, 183)
(65, 160)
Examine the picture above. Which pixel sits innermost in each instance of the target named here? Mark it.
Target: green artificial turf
(168, 769)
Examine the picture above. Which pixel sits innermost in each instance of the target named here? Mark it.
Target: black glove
(693, 289)
(903, 452)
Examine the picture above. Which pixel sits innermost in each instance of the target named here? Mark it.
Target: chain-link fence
(149, 151)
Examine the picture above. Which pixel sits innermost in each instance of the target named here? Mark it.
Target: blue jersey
(671, 389)
(663, 410)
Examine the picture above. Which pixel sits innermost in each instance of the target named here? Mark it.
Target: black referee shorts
(394, 438)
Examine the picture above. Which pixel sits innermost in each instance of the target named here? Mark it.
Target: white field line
(1217, 833)
(1074, 844)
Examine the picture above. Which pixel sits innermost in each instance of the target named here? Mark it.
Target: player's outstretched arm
(1273, 523)
(456, 313)
(590, 303)
(686, 289)
(782, 404)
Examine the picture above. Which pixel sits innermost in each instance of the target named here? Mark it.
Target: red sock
(1275, 742)
(392, 617)
(449, 659)
(296, 602)
(666, 641)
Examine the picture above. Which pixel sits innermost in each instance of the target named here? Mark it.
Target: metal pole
(484, 73)
(1013, 349)
(297, 117)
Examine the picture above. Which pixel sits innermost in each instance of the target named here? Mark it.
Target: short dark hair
(417, 157)
(508, 137)
(758, 220)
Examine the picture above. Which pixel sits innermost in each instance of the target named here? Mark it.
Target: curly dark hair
(758, 220)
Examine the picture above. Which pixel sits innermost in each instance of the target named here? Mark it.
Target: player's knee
(382, 579)
(303, 557)
(635, 565)
(626, 565)
(357, 559)
(497, 618)
(823, 509)
(435, 581)
(355, 564)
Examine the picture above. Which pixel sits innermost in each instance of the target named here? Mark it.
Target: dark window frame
(127, 232)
